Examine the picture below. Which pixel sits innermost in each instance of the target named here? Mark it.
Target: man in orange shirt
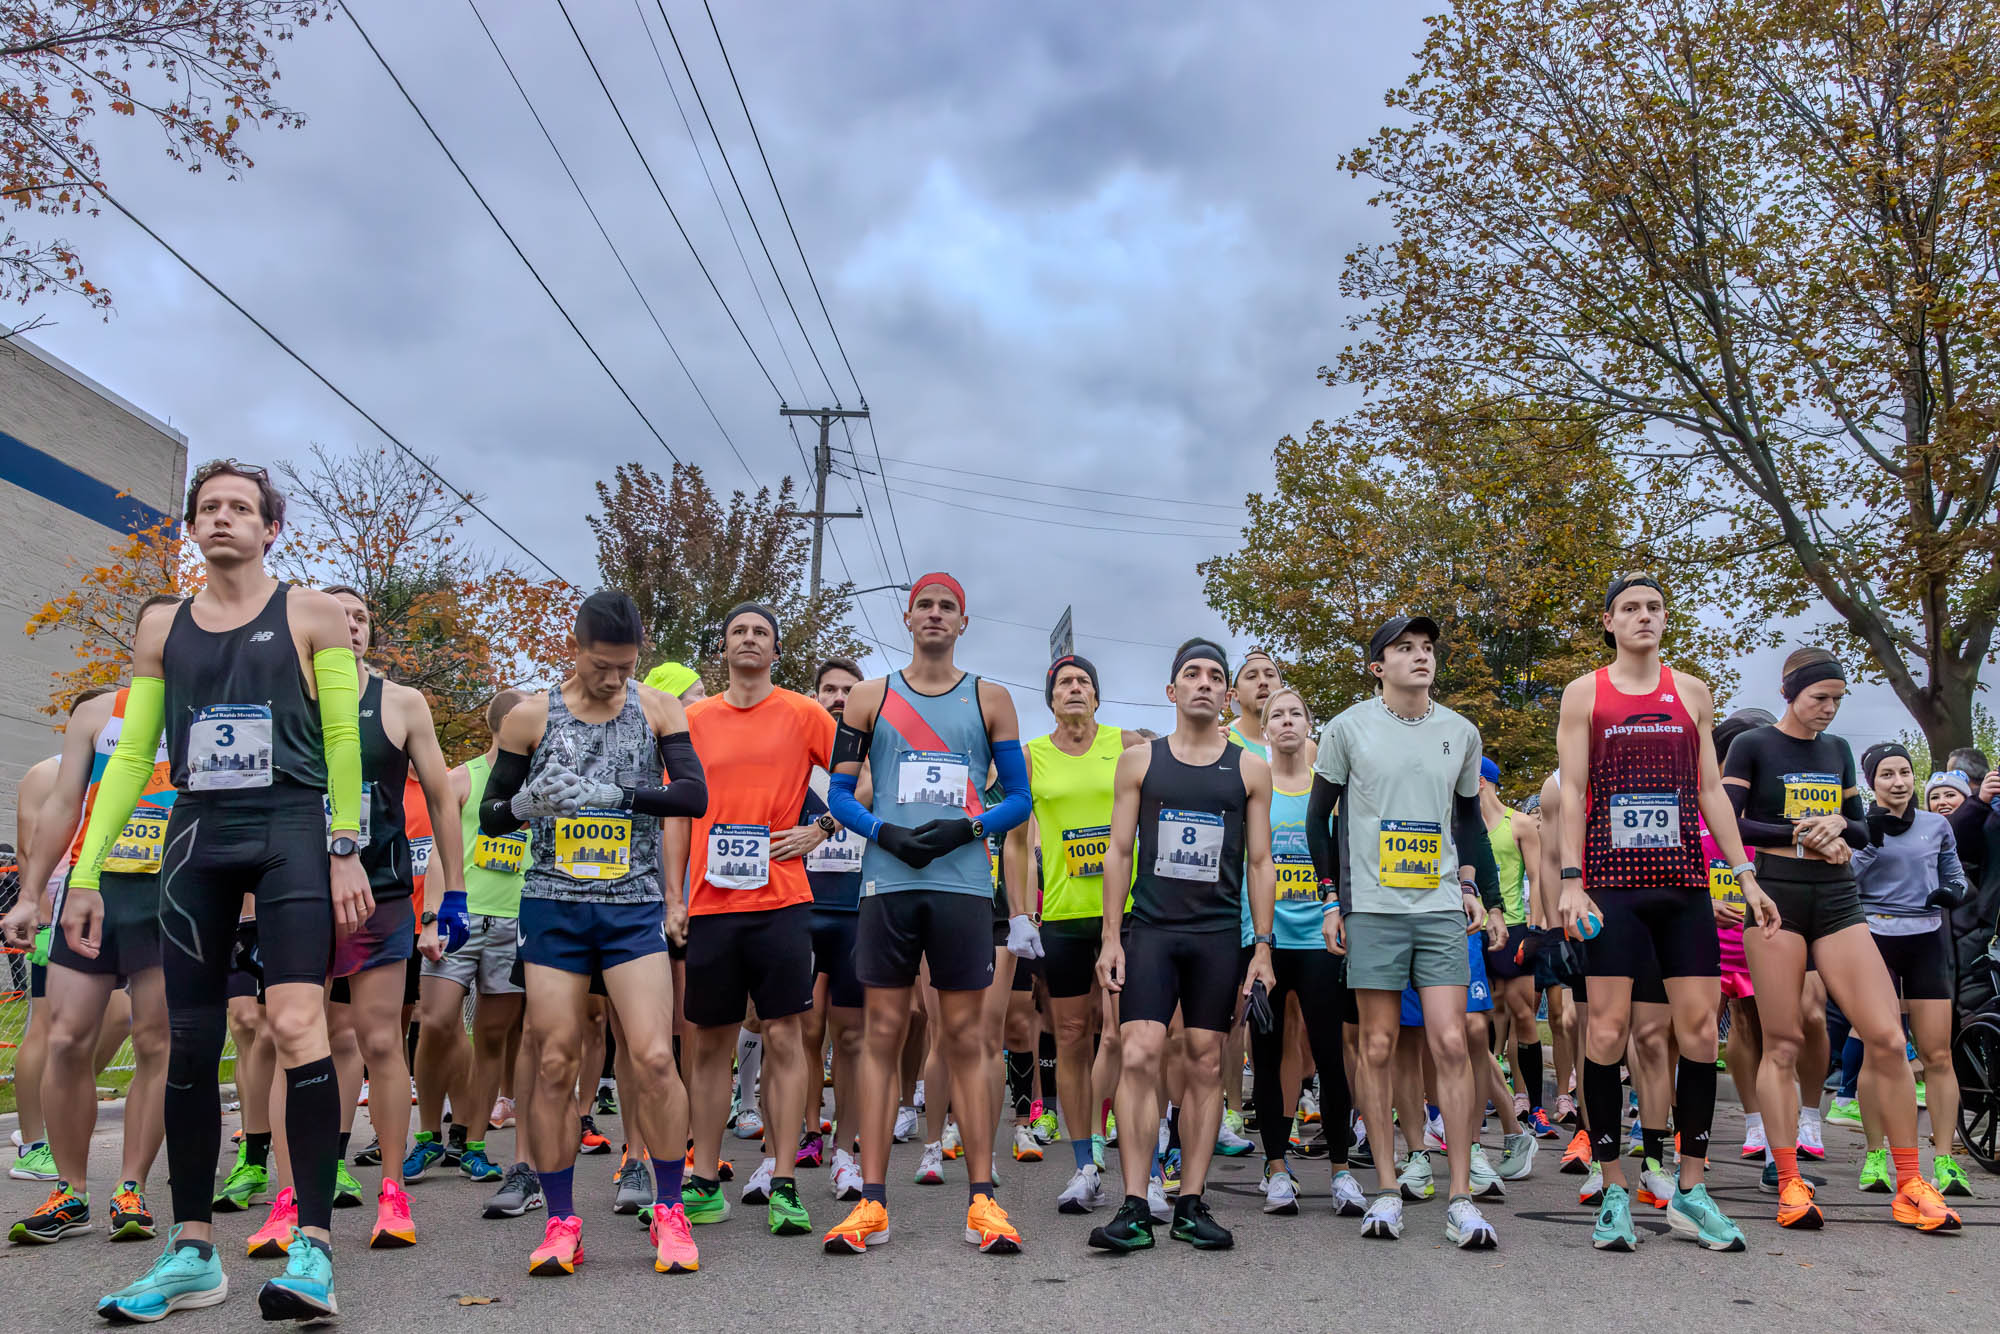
(747, 918)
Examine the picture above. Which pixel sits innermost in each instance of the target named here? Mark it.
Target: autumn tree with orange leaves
(99, 608)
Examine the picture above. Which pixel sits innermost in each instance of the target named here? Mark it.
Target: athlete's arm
(1744, 754)
(61, 807)
(1129, 739)
(851, 740)
(420, 743)
(1261, 883)
(131, 764)
(1528, 839)
(1475, 850)
(1003, 733)
(1125, 783)
(337, 683)
(31, 825)
(461, 787)
(505, 807)
(686, 792)
(1549, 837)
(1573, 901)
(676, 837)
(1014, 862)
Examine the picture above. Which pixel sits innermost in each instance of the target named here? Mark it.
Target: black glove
(1946, 897)
(1258, 1007)
(942, 837)
(244, 956)
(901, 842)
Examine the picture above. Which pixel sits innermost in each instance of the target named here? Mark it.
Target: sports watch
(1265, 938)
(343, 847)
(429, 918)
(828, 825)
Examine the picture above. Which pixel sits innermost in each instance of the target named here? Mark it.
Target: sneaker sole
(1683, 1226)
(270, 1249)
(25, 1236)
(718, 1216)
(756, 1198)
(1939, 1225)
(852, 1193)
(1033, 1157)
(842, 1244)
(1075, 1207)
(1810, 1221)
(552, 1267)
(132, 1229)
(492, 1211)
(1229, 1245)
(21, 1174)
(930, 1181)
(676, 1267)
(1410, 1196)
(1348, 1209)
(1623, 1244)
(1286, 1210)
(229, 1205)
(1000, 1245)
(794, 1227)
(346, 1200)
(185, 1301)
(279, 1302)
(1381, 1232)
(1492, 1191)
(1101, 1240)
(1479, 1239)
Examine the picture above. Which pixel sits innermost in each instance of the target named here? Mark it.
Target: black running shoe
(1195, 1225)
(1130, 1229)
(370, 1156)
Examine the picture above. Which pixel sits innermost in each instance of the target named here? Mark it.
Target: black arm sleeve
(686, 792)
(1475, 849)
(1856, 814)
(1756, 833)
(496, 808)
(1323, 830)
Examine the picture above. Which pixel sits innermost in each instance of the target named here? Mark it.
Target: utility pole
(822, 467)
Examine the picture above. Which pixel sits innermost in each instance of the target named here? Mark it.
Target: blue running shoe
(1614, 1222)
(304, 1292)
(427, 1151)
(180, 1280)
(476, 1165)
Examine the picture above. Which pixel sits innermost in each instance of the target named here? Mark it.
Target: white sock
(1752, 1121)
(749, 1061)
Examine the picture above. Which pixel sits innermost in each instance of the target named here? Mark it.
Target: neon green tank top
(1513, 872)
(1073, 814)
(495, 864)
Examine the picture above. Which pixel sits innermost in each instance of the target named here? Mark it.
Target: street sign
(1061, 642)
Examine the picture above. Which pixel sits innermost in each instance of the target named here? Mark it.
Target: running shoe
(1466, 1228)
(1230, 1143)
(724, 1169)
(304, 1292)
(346, 1190)
(812, 1150)
(986, 1227)
(503, 1114)
(1576, 1158)
(951, 1144)
(607, 1100)
(1084, 1192)
(64, 1212)
(1414, 1181)
(1042, 1120)
(674, 1251)
(393, 1225)
(1097, 1151)
(1923, 1099)
(1656, 1188)
(244, 1186)
(1540, 1126)
(1361, 1155)
(757, 1190)
(1348, 1199)
(1434, 1131)
(275, 1237)
(1919, 1205)
(1383, 1218)
(1754, 1143)
(1027, 1149)
(34, 1162)
(1130, 1229)
(1196, 1225)
(1170, 1171)
(131, 1220)
(1811, 1143)
(1948, 1176)
(1876, 1179)
(1613, 1231)
(1768, 1182)
(906, 1124)
(632, 1187)
(1694, 1215)
(561, 1249)
(1111, 1127)
(370, 1155)
(1517, 1157)
(846, 1179)
(1592, 1189)
(1635, 1140)
(1486, 1183)
(1157, 1203)
(1566, 1110)
(1281, 1190)
(1295, 1138)
(704, 1204)
(930, 1167)
(749, 1125)
(180, 1280)
(1796, 1208)
(867, 1224)
(364, 1094)
(1308, 1106)
(520, 1190)
(476, 1166)
(787, 1216)
(1840, 1112)
(454, 1142)
(1234, 1121)
(588, 1140)
(427, 1151)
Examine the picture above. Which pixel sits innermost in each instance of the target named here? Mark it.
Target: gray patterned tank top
(597, 856)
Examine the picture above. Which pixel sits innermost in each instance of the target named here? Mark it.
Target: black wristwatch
(428, 918)
(1572, 873)
(343, 847)
(1265, 938)
(828, 825)
(979, 829)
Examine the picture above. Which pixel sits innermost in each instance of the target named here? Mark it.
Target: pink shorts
(1735, 968)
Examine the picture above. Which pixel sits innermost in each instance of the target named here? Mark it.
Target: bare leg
(1444, 1031)
(75, 1006)
(145, 1100)
(1138, 1105)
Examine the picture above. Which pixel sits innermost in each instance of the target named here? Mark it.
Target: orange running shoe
(673, 1240)
(273, 1240)
(1576, 1158)
(561, 1250)
(589, 1141)
(866, 1225)
(393, 1224)
(1796, 1208)
(986, 1227)
(1919, 1205)
(724, 1169)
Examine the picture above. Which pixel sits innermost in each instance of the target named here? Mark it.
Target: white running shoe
(1156, 1200)
(757, 1190)
(1360, 1134)
(930, 1169)
(846, 1181)
(1434, 1133)
(749, 1125)
(1229, 1143)
(1466, 1228)
(1811, 1141)
(1384, 1218)
(917, 1098)
(1518, 1156)
(1655, 1185)
(951, 1143)
(1592, 1189)
(1027, 1149)
(1348, 1199)
(906, 1123)
(1754, 1142)
(1415, 1178)
(1084, 1192)
(1308, 1106)
(1281, 1192)
(1486, 1183)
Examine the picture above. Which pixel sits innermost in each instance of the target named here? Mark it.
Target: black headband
(1871, 759)
(1810, 674)
(1200, 649)
(1082, 664)
(751, 609)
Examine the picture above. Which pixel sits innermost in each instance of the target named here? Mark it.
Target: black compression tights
(1314, 977)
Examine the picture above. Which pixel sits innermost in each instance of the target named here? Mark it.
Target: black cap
(1395, 628)
(1618, 585)
(1068, 660)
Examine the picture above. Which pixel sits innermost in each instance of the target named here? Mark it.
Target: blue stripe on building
(78, 492)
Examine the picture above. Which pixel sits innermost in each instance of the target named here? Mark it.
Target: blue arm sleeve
(847, 807)
(1018, 803)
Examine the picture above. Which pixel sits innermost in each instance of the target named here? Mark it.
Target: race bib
(1296, 881)
(1645, 820)
(1190, 846)
(138, 847)
(594, 845)
(1408, 853)
(229, 746)
(505, 854)
(420, 855)
(367, 812)
(932, 778)
(739, 856)
(1083, 851)
(839, 855)
(1811, 794)
(1722, 884)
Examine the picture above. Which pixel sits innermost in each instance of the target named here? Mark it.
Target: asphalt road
(1310, 1272)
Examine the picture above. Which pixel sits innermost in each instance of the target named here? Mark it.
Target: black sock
(1655, 1142)
(457, 1135)
(1173, 1128)
(256, 1147)
(879, 1194)
(1528, 1075)
(1694, 1106)
(1020, 1079)
(1183, 1202)
(1604, 1098)
(1135, 1202)
(1046, 1057)
(343, 1142)
(205, 1249)
(978, 1188)
(312, 1129)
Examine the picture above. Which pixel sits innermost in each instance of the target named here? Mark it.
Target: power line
(1067, 523)
(1059, 486)
(1057, 504)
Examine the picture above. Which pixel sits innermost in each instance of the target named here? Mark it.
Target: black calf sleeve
(1528, 1070)
(312, 1125)
(1046, 1057)
(1694, 1105)
(1604, 1097)
(1020, 1080)
(193, 1106)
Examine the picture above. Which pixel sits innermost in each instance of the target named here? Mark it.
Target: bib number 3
(229, 746)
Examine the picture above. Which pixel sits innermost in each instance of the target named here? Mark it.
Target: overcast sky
(1093, 245)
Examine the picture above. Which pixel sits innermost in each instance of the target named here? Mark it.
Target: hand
(1989, 786)
(1496, 928)
(1260, 970)
(1726, 913)
(83, 920)
(454, 923)
(601, 797)
(1023, 940)
(1574, 907)
(677, 921)
(552, 792)
(1757, 904)
(1111, 966)
(353, 901)
(1837, 852)
(1474, 910)
(429, 944)
(1818, 831)
(17, 928)
(797, 842)
(900, 842)
(944, 837)
(1335, 932)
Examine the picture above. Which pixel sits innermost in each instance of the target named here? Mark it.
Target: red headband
(936, 577)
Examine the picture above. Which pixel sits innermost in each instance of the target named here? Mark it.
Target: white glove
(1023, 940)
(603, 797)
(555, 791)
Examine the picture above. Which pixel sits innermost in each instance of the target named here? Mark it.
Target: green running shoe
(346, 1190)
(179, 1280)
(1948, 1176)
(1130, 1229)
(1614, 1222)
(1692, 1214)
(1844, 1112)
(788, 1216)
(34, 1162)
(1045, 1127)
(246, 1186)
(1875, 1177)
(1097, 1151)
(704, 1201)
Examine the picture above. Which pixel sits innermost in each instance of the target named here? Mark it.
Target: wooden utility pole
(822, 468)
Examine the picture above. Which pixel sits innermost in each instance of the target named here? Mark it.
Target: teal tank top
(929, 758)
(1298, 916)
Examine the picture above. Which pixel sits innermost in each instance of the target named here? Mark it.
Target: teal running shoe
(476, 1165)
(180, 1280)
(1614, 1222)
(305, 1290)
(428, 1150)
(1692, 1214)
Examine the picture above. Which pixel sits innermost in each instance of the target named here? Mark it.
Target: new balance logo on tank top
(240, 716)
(1642, 813)
(597, 856)
(928, 757)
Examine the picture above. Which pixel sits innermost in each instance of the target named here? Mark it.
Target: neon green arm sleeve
(125, 775)
(339, 685)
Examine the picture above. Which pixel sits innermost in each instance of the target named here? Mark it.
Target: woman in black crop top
(1793, 788)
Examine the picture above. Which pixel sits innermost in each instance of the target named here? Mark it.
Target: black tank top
(240, 717)
(385, 768)
(1189, 853)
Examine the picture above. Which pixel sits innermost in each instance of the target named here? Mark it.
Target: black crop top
(1789, 780)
